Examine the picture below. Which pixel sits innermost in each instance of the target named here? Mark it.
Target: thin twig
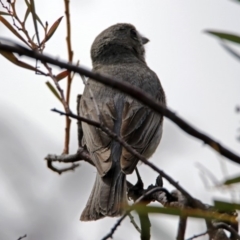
(198, 235)
(65, 104)
(181, 227)
(29, 41)
(68, 38)
(130, 90)
(24, 236)
(69, 78)
(222, 225)
(133, 222)
(81, 154)
(60, 171)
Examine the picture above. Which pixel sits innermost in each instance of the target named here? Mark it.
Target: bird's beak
(144, 40)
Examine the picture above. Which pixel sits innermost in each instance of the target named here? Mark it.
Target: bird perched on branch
(118, 52)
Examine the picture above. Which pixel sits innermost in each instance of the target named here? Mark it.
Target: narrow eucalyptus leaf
(53, 90)
(226, 36)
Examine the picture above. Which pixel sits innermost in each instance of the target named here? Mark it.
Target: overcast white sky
(202, 85)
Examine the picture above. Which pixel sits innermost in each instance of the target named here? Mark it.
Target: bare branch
(68, 38)
(69, 78)
(81, 154)
(181, 227)
(134, 223)
(60, 171)
(219, 235)
(198, 235)
(225, 226)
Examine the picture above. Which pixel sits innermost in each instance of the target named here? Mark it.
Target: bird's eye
(133, 34)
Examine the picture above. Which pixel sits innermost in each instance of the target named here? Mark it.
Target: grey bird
(118, 52)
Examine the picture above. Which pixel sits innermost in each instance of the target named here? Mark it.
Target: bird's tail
(107, 197)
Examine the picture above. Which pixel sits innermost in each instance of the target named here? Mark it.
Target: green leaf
(141, 209)
(145, 226)
(226, 36)
(53, 90)
(226, 206)
(5, 13)
(232, 180)
(196, 213)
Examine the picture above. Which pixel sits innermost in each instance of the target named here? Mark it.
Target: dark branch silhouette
(24, 236)
(60, 171)
(220, 234)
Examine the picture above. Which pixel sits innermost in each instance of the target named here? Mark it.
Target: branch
(24, 236)
(128, 89)
(198, 235)
(69, 78)
(60, 171)
(81, 154)
(133, 222)
(229, 229)
(181, 227)
(220, 235)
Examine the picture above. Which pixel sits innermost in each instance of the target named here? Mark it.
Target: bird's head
(120, 42)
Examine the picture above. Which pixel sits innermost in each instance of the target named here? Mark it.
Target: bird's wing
(98, 142)
(139, 126)
(142, 129)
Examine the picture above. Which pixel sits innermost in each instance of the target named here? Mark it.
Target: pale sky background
(201, 82)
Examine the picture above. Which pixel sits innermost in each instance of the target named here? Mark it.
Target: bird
(118, 52)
